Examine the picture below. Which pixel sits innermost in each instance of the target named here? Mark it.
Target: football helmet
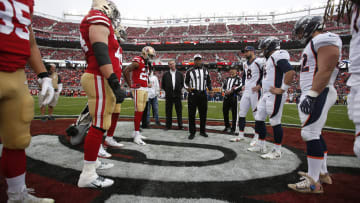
(268, 45)
(120, 33)
(148, 53)
(108, 7)
(306, 26)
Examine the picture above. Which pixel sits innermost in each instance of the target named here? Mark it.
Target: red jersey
(96, 17)
(140, 75)
(15, 17)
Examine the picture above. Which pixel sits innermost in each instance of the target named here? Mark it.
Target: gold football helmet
(108, 7)
(148, 53)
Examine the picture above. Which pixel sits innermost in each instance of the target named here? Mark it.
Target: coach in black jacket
(173, 82)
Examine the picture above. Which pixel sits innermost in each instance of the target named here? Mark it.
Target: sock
(315, 158)
(261, 142)
(16, 184)
(13, 162)
(278, 134)
(256, 135)
(241, 133)
(241, 124)
(324, 147)
(114, 119)
(261, 129)
(137, 120)
(277, 147)
(92, 144)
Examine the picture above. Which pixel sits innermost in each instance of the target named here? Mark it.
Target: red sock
(92, 144)
(13, 162)
(137, 120)
(114, 119)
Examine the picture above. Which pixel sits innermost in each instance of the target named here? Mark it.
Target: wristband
(285, 87)
(312, 93)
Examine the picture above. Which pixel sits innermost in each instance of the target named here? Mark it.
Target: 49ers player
(101, 84)
(139, 68)
(18, 46)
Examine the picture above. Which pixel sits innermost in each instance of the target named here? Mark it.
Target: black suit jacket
(167, 85)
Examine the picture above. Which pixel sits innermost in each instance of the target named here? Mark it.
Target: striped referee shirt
(232, 82)
(198, 79)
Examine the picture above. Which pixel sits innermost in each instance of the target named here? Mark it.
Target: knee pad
(357, 146)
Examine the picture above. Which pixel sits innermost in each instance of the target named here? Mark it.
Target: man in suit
(173, 82)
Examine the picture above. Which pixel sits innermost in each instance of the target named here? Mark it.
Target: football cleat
(103, 153)
(111, 142)
(99, 182)
(274, 154)
(25, 197)
(258, 148)
(325, 178)
(254, 141)
(237, 139)
(102, 165)
(307, 185)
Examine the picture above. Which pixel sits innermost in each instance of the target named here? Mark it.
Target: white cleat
(111, 142)
(138, 140)
(103, 153)
(98, 182)
(25, 197)
(258, 148)
(237, 139)
(254, 141)
(102, 165)
(274, 154)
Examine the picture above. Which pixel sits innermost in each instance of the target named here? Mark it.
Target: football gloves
(47, 90)
(308, 104)
(115, 86)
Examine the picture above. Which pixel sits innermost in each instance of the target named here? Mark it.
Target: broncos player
(18, 47)
(253, 71)
(100, 82)
(317, 77)
(140, 70)
(278, 75)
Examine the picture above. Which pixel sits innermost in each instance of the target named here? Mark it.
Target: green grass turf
(337, 117)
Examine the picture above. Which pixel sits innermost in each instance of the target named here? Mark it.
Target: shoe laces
(305, 183)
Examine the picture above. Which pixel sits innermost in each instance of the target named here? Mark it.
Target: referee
(231, 87)
(197, 79)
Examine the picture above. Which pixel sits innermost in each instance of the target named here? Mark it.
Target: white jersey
(253, 73)
(354, 67)
(309, 59)
(273, 76)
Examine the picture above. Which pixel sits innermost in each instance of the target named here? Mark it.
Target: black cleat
(191, 136)
(204, 134)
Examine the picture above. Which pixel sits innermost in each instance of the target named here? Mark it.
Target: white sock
(16, 184)
(241, 134)
(324, 165)
(261, 143)
(314, 166)
(277, 147)
(256, 136)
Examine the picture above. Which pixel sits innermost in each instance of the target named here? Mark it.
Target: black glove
(308, 104)
(115, 86)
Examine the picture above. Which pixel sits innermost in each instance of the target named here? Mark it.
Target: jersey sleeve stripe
(100, 21)
(93, 17)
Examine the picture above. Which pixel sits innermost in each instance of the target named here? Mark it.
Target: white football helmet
(148, 53)
(108, 7)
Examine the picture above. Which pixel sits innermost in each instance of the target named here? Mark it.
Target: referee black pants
(230, 103)
(197, 100)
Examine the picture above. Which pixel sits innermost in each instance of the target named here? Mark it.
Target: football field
(72, 106)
